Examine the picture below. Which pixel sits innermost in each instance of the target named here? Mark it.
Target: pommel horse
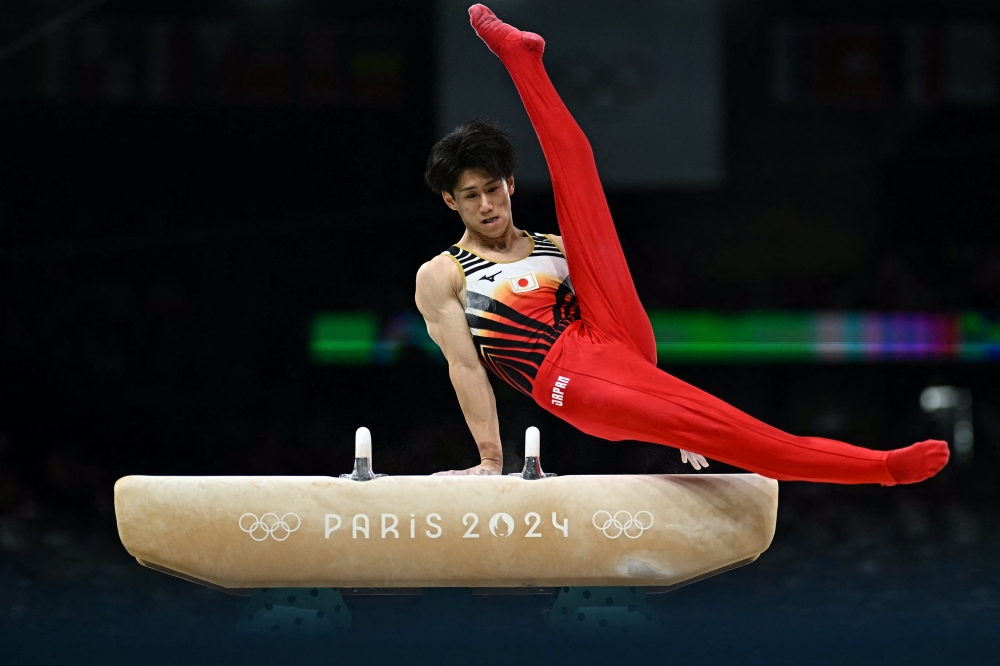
(520, 533)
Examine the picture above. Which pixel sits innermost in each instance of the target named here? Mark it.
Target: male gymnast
(583, 349)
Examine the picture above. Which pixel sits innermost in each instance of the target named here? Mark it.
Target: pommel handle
(363, 444)
(531, 442)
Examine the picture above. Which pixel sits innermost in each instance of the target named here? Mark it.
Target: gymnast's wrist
(490, 461)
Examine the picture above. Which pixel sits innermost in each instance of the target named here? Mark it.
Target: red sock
(918, 461)
(503, 39)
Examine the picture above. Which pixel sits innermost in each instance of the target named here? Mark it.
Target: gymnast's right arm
(439, 284)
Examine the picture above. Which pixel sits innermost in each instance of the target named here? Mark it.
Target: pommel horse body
(518, 531)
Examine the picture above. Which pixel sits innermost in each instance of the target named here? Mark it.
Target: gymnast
(558, 318)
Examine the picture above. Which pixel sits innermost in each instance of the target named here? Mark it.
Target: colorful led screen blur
(353, 338)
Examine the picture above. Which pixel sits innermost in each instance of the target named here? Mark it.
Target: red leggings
(605, 364)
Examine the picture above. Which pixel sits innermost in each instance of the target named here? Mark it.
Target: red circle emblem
(523, 282)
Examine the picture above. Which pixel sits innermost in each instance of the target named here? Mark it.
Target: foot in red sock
(918, 462)
(499, 36)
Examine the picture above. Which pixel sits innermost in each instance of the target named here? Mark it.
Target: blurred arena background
(211, 214)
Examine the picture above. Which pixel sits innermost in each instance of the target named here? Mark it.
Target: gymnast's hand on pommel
(439, 298)
(486, 468)
(696, 460)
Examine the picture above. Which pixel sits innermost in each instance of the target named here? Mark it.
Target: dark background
(160, 262)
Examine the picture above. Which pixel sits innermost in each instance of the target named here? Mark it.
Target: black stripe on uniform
(469, 262)
(495, 326)
(483, 303)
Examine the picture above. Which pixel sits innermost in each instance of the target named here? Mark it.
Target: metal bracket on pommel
(532, 465)
(362, 457)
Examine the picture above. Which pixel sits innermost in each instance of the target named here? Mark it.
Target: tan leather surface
(694, 524)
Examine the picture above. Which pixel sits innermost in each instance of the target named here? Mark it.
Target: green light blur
(981, 336)
(704, 336)
(343, 338)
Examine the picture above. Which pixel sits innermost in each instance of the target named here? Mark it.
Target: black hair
(478, 144)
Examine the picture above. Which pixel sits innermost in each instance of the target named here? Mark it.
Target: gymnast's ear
(449, 200)
(510, 185)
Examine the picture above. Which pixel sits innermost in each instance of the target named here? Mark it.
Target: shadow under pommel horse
(299, 544)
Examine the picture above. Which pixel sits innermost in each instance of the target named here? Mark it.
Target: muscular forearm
(479, 407)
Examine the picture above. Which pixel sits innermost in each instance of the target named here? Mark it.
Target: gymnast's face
(482, 201)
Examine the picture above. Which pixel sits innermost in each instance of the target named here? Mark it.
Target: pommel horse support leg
(495, 534)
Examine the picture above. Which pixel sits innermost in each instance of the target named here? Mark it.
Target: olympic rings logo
(622, 523)
(269, 525)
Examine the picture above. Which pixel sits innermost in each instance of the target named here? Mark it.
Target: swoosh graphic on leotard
(513, 345)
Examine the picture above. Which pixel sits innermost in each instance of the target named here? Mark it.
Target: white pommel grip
(363, 443)
(531, 446)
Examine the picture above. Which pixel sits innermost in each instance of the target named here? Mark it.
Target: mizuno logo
(491, 278)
